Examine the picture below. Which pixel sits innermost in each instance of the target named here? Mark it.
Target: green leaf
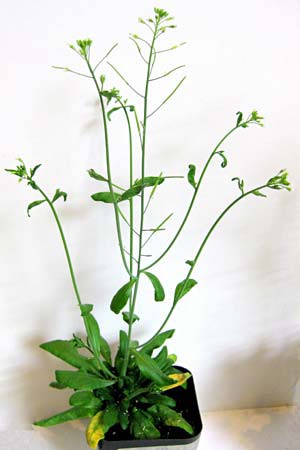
(162, 357)
(33, 205)
(191, 175)
(56, 385)
(78, 342)
(158, 399)
(149, 181)
(67, 351)
(111, 111)
(150, 369)
(86, 309)
(121, 351)
(239, 118)
(85, 398)
(105, 350)
(157, 342)
(121, 297)
(96, 175)
(159, 293)
(32, 171)
(183, 288)
(258, 193)
(58, 194)
(132, 192)
(190, 263)
(240, 184)
(142, 426)
(106, 197)
(126, 317)
(81, 380)
(110, 416)
(93, 333)
(170, 418)
(224, 162)
(78, 412)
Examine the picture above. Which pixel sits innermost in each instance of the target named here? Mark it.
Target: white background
(238, 330)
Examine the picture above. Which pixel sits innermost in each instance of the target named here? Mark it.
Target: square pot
(187, 402)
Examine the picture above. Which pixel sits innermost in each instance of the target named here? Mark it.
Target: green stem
(199, 253)
(127, 350)
(108, 169)
(192, 201)
(61, 232)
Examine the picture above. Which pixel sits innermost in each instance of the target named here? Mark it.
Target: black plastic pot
(176, 439)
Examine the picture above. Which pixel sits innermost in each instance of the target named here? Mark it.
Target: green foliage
(159, 293)
(129, 391)
(169, 417)
(191, 175)
(183, 288)
(121, 298)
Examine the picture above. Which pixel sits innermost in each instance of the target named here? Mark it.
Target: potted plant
(139, 398)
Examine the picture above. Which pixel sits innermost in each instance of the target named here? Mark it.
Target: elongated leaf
(33, 205)
(110, 416)
(159, 293)
(126, 317)
(150, 369)
(95, 430)
(58, 194)
(258, 193)
(105, 349)
(56, 385)
(179, 378)
(142, 426)
(78, 412)
(106, 197)
(239, 118)
(80, 380)
(170, 418)
(67, 351)
(158, 399)
(121, 297)
(33, 171)
(157, 342)
(132, 192)
(149, 181)
(191, 175)
(183, 288)
(96, 175)
(85, 398)
(93, 333)
(121, 351)
(161, 358)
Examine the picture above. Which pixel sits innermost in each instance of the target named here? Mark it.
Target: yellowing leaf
(95, 430)
(180, 378)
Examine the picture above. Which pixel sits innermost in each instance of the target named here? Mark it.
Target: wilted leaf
(95, 430)
(179, 378)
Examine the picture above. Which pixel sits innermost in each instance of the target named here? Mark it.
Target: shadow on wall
(265, 378)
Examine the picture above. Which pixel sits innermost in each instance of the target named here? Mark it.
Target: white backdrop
(238, 330)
